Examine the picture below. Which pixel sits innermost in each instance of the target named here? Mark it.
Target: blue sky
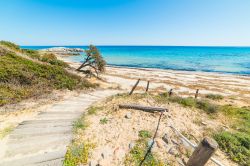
(126, 22)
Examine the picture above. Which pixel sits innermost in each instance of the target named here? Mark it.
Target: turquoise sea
(235, 60)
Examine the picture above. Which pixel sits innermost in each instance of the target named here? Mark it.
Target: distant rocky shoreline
(63, 51)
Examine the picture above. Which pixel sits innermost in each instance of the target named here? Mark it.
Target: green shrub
(21, 78)
(10, 45)
(80, 123)
(137, 153)
(240, 116)
(92, 110)
(103, 121)
(144, 134)
(52, 59)
(186, 102)
(236, 145)
(6, 131)
(78, 154)
(192, 102)
(31, 53)
(207, 106)
(214, 96)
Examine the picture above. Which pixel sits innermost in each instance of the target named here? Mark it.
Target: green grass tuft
(78, 154)
(186, 102)
(137, 153)
(207, 106)
(4, 132)
(92, 110)
(80, 123)
(104, 121)
(145, 134)
(214, 96)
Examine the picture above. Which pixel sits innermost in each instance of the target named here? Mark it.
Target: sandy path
(43, 139)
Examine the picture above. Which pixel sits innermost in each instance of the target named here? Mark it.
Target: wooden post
(203, 152)
(132, 90)
(170, 92)
(196, 94)
(147, 86)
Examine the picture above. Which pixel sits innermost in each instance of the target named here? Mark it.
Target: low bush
(10, 45)
(137, 154)
(236, 145)
(31, 53)
(21, 78)
(78, 154)
(52, 59)
(207, 106)
(214, 96)
(240, 117)
(144, 134)
(204, 105)
(186, 102)
(103, 121)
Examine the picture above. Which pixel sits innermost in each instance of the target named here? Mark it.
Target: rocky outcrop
(64, 51)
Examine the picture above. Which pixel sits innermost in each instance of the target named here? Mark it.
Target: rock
(159, 143)
(64, 50)
(128, 115)
(179, 160)
(103, 163)
(131, 145)
(93, 163)
(150, 142)
(182, 150)
(173, 151)
(204, 123)
(165, 138)
(106, 153)
(119, 153)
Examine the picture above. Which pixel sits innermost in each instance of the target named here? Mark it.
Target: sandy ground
(114, 138)
(235, 88)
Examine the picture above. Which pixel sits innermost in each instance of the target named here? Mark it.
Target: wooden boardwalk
(43, 140)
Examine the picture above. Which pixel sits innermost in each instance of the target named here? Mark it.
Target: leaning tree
(93, 60)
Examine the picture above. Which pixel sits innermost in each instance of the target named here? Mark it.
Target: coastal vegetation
(6, 131)
(137, 153)
(236, 143)
(52, 59)
(22, 78)
(78, 151)
(214, 96)
(94, 61)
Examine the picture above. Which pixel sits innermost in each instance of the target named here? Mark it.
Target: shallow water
(234, 60)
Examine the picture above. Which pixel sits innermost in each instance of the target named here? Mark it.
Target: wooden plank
(143, 108)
